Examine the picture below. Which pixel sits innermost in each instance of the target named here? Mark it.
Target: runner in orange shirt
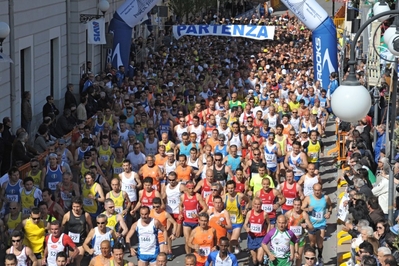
(219, 218)
(184, 172)
(163, 217)
(203, 239)
(153, 171)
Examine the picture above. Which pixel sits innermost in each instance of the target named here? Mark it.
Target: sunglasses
(256, 154)
(156, 206)
(172, 180)
(35, 219)
(34, 166)
(310, 258)
(213, 189)
(100, 222)
(13, 208)
(218, 160)
(16, 240)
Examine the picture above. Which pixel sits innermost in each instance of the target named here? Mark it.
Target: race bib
(207, 193)
(191, 213)
(269, 157)
(289, 201)
(12, 198)
(104, 158)
(233, 218)
(145, 238)
(118, 170)
(66, 196)
(53, 254)
(204, 251)
(25, 211)
(52, 185)
(318, 215)
(297, 230)
(88, 202)
(172, 201)
(256, 228)
(119, 210)
(75, 237)
(313, 155)
(128, 188)
(267, 207)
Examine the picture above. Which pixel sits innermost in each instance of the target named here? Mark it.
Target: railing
(340, 147)
(24, 169)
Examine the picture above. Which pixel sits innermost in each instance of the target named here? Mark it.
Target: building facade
(48, 45)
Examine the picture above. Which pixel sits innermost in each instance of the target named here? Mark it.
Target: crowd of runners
(209, 140)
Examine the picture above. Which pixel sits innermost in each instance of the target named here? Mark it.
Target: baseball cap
(131, 133)
(61, 141)
(394, 229)
(304, 130)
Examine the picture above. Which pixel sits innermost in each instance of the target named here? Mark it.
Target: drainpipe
(68, 37)
(14, 109)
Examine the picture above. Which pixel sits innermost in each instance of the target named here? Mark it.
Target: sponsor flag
(325, 57)
(96, 31)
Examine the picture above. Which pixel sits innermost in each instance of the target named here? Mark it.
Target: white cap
(252, 56)
(170, 84)
(284, 71)
(267, 66)
(304, 130)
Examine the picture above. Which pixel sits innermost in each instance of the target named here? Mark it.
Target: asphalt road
(329, 177)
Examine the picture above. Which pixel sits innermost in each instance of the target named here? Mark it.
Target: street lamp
(4, 31)
(351, 101)
(103, 6)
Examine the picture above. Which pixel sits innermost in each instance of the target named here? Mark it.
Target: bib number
(75, 237)
(207, 193)
(289, 201)
(318, 215)
(267, 207)
(104, 158)
(145, 238)
(233, 218)
(26, 211)
(88, 202)
(172, 201)
(12, 198)
(256, 228)
(52, 185)
(191, 213)
(204, 251)
(297, 230)
(119, 210)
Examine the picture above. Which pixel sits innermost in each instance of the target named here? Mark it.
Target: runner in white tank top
(179, 132)
(151, 148)
(172, 199)
(308, 184)
(129, 185)
(53, 248)
(22, 258)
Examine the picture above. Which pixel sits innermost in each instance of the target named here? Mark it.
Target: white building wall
(36, 23)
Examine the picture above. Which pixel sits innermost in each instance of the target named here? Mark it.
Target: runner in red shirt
(256, 224)
(190, 203)
(290, 190)
(146, 195)
(271, 198)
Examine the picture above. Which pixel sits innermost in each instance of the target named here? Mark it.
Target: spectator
(69, 97)
(49, 108)
(20, 154)
(81, 112)
(42, 141)
(8, 138)
(26, 119)
(381, 189)
(63, 126)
